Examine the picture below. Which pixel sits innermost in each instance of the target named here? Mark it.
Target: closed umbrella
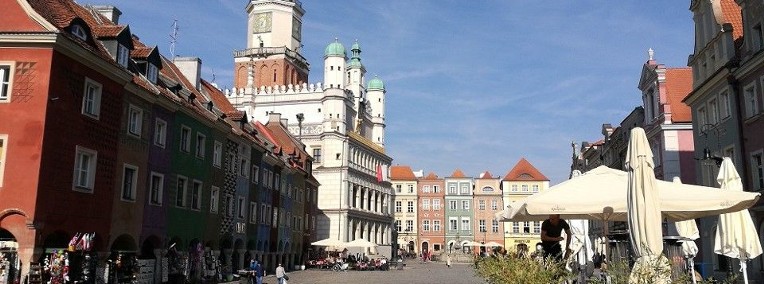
(644, 212)
(688, 232)
(736, 235)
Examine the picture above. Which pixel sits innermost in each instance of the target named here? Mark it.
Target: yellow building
(521, 181)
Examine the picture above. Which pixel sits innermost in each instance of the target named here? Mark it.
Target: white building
(341, 121)
(405, 184)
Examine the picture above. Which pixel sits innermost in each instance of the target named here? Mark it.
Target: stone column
(362, 198)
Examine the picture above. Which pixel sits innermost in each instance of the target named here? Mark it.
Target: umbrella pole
(692, 269)
(743, 269)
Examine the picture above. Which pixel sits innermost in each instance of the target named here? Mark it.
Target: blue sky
(474, 85)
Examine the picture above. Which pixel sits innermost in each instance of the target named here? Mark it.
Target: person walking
(259, 273)
(280, 274)
(252, 271)
(448, 261)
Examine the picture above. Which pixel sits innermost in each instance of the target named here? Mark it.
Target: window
(134, 120)
(5, 81)
(252, 211)
(451, 189)
(524, 188)
(229, 205)
(426, 189)
(537, 228)
(398, 206)
(151, 73)
(129, 180)
(398, 225)
(79, 32)
(724, 105)
(712, 109)
(3, 150)
(465, 189)
(160, 132)
(435, 189)
(196, 196)
(465, 204)
(278, 182)
(758, 171)
(514, 188)
(481, 226)
(85, 169)
(180, 193)
(255, 174)
(214, 195)
(201, 143)
(436, 225)
(751, 102)
(701, 116)
(535, 188)
(263, 213)
(91, 99)
(494, 205)
(411, 188)
(466, 224)
(481, 204)
(410, 207)
(409, 225)
(123, 55)
(425, 204)
(494, 226)
(317, 155)
(452, 224)
(426, 225)
(436, 204)
(156, 188)
(452, 204)
(185, 139)
(516, 227)
(217, 154)
(241, 208)
(398, 188)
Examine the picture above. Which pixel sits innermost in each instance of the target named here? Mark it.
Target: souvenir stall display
(123, 268)
(177, 265)
(9, 262)
(75, 264)
(211, 266)
(195, 253)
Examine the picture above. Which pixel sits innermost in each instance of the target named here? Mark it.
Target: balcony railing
(268, 51)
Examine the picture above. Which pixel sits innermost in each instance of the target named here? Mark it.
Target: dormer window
(151, 73)
(79, 32)
(123, 55)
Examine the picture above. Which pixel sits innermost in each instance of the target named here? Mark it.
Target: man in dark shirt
(551, 235)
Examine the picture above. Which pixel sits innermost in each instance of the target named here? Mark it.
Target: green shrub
(520, 270)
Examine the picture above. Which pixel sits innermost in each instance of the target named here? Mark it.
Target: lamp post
(708, 155)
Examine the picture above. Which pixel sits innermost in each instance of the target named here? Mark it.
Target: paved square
(414, 272)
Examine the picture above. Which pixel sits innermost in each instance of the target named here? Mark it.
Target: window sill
(82, 189)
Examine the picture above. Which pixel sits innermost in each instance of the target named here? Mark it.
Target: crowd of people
(328, 259)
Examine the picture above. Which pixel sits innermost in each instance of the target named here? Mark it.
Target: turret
(376, 94)
(356, 74)
(334, 65)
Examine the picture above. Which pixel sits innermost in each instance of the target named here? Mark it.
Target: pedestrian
(252, 270)
(448, 260)
(259, 273)
(281, 275)
(551, 236)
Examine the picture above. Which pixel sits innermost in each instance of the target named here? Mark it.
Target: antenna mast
(174, 37)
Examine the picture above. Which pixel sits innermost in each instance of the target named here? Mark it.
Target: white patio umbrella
(581, 244)
(330, 242)
(736, 235)
(644, 212)
(360, 243)
(688, 232)
(493, 244)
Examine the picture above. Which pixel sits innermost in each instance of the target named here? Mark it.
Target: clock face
(262, 23)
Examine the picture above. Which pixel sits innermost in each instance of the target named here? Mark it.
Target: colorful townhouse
(405, 199)
(487, 202)
(521, 181)
(431, 214)
(459, 212)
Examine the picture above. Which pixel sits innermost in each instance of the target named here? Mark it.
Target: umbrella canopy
(493, 244)
(643, 210)
(600, 194)
(329, 243)
(360, 243)
(471, 244)
(580, 244)
(688, 232)
(736, 235)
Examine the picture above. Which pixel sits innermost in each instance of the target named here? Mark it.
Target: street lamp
(707, 154)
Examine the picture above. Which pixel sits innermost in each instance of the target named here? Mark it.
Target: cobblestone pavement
(413, 272)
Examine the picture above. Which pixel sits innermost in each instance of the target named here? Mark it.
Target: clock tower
(273, 55)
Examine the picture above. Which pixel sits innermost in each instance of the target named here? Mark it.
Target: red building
(431, 214)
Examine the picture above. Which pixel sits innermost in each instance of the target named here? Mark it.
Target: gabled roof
(458, 174)
(288, 143)
(524, 171)
(486, 175)
(401, 173)
(110, 31)
(732, 15)
(431, 176)
(217, 97)
(678, 86)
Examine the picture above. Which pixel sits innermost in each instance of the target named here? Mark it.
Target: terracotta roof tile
(288, 143)
(732, 15)
(235, 115)
(678, 86)
(524, 171)
(486, 175)
(458, 174)
(57, 12)
(431, 176)
(401, 173)
(217, 97)
(107, 31)
(141, 52)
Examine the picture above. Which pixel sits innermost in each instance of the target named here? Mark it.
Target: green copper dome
(354, 63)
(335, 49)
(375, 84)
(355, 46)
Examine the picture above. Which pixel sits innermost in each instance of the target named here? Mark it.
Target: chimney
(108, 11)
(274, 117)
(191, 67)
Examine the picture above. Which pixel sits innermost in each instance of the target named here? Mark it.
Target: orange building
(431, 214)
